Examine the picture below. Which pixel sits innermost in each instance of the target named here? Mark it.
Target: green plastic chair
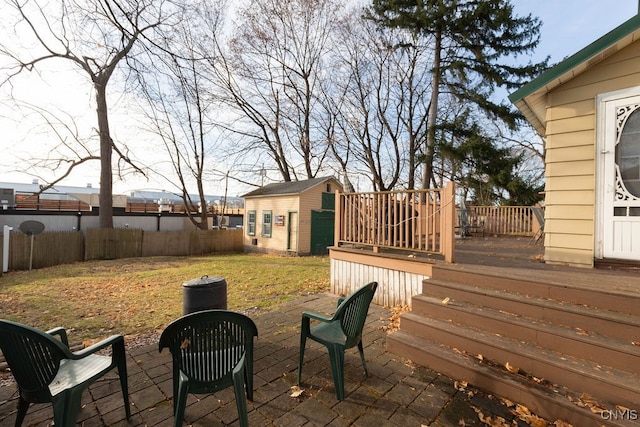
(338, 333)
(211, 350)
(47, 371)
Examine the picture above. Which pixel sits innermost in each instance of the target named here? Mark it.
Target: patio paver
(396, 393)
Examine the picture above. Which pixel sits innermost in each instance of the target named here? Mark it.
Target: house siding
(571, 156)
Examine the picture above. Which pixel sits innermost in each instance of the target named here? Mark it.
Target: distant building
(18, 195)
(291, 217)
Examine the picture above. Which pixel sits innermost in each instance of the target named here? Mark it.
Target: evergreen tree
(475, 43)
(486, 171)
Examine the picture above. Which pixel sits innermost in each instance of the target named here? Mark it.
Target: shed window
(266, 223)
(251, 223)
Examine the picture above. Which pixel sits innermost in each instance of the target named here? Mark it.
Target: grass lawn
(142, 295)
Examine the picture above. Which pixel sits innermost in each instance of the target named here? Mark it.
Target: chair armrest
(62, 333)
(340, 300)
(112, 341)
(316, 316)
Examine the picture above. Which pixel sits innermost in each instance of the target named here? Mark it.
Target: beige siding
(574, 212)
(278, 206)
(573, 182)
(309, 200)
(578, 167)
(571, 146)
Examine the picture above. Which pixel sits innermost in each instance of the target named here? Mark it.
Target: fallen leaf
(525, 415)
(507, 403)
(511, 368)
(635, 343)
(591, 403)
(460, 385)
(184, 344)
(480, 357)
(446, 301)
(560, 423)
(296, 391)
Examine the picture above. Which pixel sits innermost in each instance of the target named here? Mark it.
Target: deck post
(337, 231)
(447, 222)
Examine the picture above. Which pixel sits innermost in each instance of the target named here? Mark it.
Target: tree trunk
(427, 174)
(106, 176)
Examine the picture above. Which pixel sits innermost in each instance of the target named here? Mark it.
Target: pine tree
(475, 47)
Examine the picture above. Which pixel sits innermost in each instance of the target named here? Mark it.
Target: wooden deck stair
(566, 341)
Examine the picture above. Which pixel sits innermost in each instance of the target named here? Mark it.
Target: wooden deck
(517, 257)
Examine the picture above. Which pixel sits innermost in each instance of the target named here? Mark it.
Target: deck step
(576, 342)
(592, 319)
(607, 384)
(578, 338)
(603, 293)
(544, 401)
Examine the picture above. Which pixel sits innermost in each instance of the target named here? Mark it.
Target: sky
(568, 26)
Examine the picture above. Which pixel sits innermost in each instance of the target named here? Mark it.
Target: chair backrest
(33, 356)
(352, 312)
(539, 214)
(463, 214)
(207, 345)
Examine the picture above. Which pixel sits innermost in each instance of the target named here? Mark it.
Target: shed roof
(530, 98)
(287, 188)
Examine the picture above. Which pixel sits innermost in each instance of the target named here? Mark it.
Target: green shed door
(322, 227)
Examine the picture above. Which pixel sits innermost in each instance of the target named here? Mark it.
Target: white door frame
(605, 158)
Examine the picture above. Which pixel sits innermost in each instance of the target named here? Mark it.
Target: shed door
(620, 179)
(322, 227)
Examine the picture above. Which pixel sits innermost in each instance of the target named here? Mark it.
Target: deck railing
(412, 221)
(504, 220)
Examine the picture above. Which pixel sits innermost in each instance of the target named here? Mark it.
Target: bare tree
(378, 95)
(95, 36)
(178, 86)
(271, 77)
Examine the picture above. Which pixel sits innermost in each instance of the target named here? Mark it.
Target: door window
(628, 156)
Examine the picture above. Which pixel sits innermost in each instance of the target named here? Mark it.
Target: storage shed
(587, 108)
(294, 218)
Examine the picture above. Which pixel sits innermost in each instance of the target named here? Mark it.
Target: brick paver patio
(396, 393)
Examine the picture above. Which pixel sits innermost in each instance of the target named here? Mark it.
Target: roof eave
(616, 39)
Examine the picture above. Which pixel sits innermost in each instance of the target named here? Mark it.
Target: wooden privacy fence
(64, 247)
(49, 249)
(412, 220)
(504, 220)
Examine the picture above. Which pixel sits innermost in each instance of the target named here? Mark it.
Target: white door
(292, 240)
(619, 176)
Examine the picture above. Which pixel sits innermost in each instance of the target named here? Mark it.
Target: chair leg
(180, 400)
(364, 364)
(248, 378)
(303, 342)
(241, 400)
(121, 361)
(60, 403)
(23, 406)
(72, 407)
(336, 356)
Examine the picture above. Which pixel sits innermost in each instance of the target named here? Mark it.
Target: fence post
(448, 216)
(6, 231)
